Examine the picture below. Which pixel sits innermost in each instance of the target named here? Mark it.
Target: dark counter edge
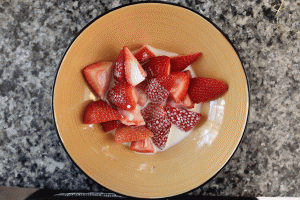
(142, 2)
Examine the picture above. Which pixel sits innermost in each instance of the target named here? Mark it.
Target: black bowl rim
(158, 2)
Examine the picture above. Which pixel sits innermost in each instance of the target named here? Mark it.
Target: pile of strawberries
(158, 85)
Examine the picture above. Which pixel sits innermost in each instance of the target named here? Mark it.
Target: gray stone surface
(35, 34)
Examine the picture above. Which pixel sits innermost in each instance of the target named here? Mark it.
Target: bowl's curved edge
(142, 2)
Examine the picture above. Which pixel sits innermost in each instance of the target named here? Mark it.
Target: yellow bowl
(182, 167)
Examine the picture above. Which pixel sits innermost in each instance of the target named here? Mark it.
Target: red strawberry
(206, 89)
(123, 96)
(181, 85)
(188, 72)
(183, 119)
(179, 63)
(161, 129)
(134, 72)
(110, 125)
(153, 111)
(132, 133)
(143, 146)
(144, 54)
(98, 76)
(119, 69)
(99, 111)
(142, 96)
(184, 103)
(131, 117)
(158, 66)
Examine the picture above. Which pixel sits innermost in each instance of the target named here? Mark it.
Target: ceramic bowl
(183, 167)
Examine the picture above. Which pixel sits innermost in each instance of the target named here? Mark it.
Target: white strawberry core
(136, 75)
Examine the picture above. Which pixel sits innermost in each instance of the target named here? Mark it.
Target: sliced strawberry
(188, 72)
(153, 111)
(205, 89)
(123, 96)
(134, 72)
(181, 85)
(158, 67)
(184, 120)
(110, 125)
(179, 63)
(142, 96)
(143, 146)
(132, 133)
(131, 117)
(98, 76)
(184, 103)
(99, 111)
(119, 68)
(161, 129)
(144, 54)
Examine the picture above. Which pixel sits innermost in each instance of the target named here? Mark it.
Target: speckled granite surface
(35, 34)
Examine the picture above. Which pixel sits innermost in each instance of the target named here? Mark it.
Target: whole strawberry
(205, 89)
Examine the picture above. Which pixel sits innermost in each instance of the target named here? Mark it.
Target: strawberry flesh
(132, 133)
(184, 103)
(99, 111)
(123, 96)
(184, 120)
(110, 125)
(142, 146)
(144, 54)
(142, 96)
(161, 129)
(205, 89)
(181, 85)
(158, 66)
(131, 117)
(119, 68)
(98, 76)
(134, 72)
(153, 111)
(179, 63)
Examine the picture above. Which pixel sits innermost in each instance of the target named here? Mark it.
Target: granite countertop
(35, 34)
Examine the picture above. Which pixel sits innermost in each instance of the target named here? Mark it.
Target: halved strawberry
(143, 146)
(134, 72)
(123, 96)
(153, 111)
(181, 85)
(179, 63)
(144, 54)
(132, 133)
(158, 66)
(110, 125)
(184, 103)
(142, 96)
(99, 111)
(161, 129)
(184, 120)
(98, 76)
(205, 89)
(119, 68)
(131, 117)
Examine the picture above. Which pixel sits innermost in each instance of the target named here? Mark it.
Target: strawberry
(181, 85)
(184, 120)
(161, 129)
(179, 63)
(134, 72)
(131, 117)
(205, 89)
(158, 66)
(153, 111)
(142, 96)
(143, 54)
(132, 133)
(188, 72)
(98, 76)
(119, 68)
(184, 103)
(99, 111)
(123, 96)
(158, 89)
(143, 146)
(110, 125)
